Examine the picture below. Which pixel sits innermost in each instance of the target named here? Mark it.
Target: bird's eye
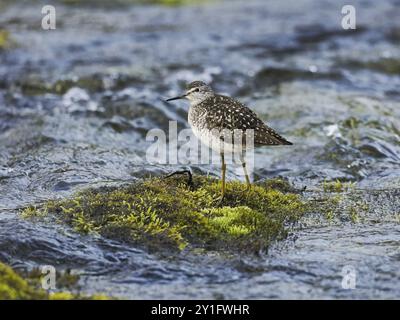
(197, 90)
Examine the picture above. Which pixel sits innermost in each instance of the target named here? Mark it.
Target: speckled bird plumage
(221, 112)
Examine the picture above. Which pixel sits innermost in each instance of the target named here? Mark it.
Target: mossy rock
(14, 287)
(5, 41)
(33, 85)
(130, 2)
(165, 213)
(389, 66)
(337, 186)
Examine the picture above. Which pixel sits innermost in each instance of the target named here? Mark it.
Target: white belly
(214, 142)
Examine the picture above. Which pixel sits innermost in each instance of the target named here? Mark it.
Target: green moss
(337, 186)
(12, 286)
(351, 123)
(70, 296)
(278, 184)
(353, 213)
(357, 210)
(325, 205)
(32, 211)
(329, 215)
(5, 41)
(15, 287)
(34, 85)
(339, 208)
(242, 225)
(66, 280)
(165, 213)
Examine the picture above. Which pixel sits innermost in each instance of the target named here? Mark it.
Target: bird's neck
(194, 101)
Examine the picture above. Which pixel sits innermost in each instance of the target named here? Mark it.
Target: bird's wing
(228, 113)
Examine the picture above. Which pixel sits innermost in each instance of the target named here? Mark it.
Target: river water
(76, 104)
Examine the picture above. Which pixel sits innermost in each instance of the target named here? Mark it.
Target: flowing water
(76, 104)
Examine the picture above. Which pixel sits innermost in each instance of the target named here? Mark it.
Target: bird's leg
(245, 172)
(223, 169)
(248, 183)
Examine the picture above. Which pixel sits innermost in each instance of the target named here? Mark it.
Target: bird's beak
(176, 98)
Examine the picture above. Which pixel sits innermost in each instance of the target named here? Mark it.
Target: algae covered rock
(5, 41)
(14, 287)
(165, 213)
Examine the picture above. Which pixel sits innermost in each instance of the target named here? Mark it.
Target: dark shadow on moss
(163, 214)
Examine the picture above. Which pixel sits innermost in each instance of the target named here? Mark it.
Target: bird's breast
(197, 119)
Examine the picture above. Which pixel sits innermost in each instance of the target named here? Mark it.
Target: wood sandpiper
(210, 114)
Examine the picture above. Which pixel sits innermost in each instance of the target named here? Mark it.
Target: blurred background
(76, 104)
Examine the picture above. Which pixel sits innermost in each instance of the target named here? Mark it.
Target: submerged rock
(165, 213)
(389, 66)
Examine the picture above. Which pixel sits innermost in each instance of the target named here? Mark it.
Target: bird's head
(196, 92)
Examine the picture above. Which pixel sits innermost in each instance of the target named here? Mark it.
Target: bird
(214, 117)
